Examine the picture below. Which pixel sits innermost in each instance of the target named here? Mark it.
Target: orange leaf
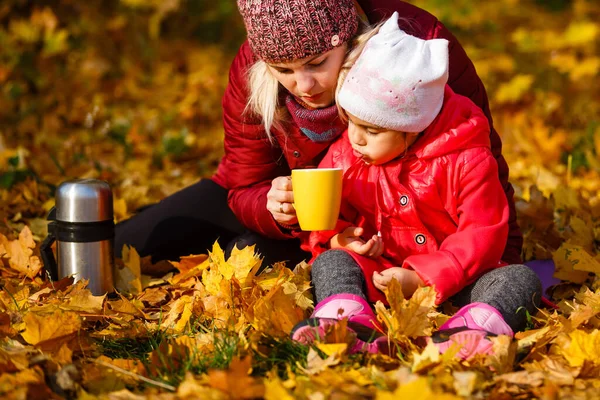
(41, 328)
(236, 381)
(20, 253)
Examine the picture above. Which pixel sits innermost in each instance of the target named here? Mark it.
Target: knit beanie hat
(398, 81)
(287, 30)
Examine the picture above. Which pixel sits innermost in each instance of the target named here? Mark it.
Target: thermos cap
(84, 200)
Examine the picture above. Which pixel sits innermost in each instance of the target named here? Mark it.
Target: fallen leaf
(236, 380)
(569, 259)
(315, 364)
(42, 328)
(407, 317)
(128, 278)
(20, 253)
(583, 347)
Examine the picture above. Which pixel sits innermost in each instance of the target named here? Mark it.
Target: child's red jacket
(441, 209)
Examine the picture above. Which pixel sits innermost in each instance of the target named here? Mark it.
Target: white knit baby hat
(398, 81)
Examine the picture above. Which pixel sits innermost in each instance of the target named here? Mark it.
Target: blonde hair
(264, 88)
(264, 96)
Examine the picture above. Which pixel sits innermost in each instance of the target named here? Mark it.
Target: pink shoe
(348, 305)
(361, 320)
(470, 328)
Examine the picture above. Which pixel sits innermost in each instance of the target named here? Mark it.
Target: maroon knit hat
(287, 30)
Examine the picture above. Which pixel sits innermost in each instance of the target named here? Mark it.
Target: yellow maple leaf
(84, 300)
(465, 382)
(276, 313)
(586, 308)
(126, 306)
(236, 380)
(301, 294)
(315, 364)
(179, 315)
(584, 346)
(407, 317)
(32, 376)
(154, 297)
(555, 368)
(581, 232)
(15, 357)
(572, 262)
(504, 352)
(332, 348)
(275, 390)
(190, 267)
(217, 257)
(245, 264)
(188, 263)
(64, 355)
(128, 279)
(589, 298)
(565, 198)
(20, 253)
(430, 356)
(40, 328)
(417, 389)
(191, 388)
(211, 278)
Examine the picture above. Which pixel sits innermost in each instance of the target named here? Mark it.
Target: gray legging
(511, 289)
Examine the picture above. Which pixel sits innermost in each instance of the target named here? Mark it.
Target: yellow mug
(317, 197)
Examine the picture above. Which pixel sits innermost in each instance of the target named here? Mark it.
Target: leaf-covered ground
(129, 91)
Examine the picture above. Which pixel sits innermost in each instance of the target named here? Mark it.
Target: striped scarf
(320, 124)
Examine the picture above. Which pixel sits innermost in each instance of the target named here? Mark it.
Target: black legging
(190, 221)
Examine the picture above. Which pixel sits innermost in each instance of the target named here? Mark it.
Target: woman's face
(312, 79)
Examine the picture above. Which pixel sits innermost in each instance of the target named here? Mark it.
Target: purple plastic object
(545, 271)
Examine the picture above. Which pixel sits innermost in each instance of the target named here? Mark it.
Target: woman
(279, 114)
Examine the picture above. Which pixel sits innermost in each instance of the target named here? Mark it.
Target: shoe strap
(363, 332)
(444, 334)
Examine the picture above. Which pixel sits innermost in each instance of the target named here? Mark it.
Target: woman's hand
(350, 239)
(408, 279)
(279, 201)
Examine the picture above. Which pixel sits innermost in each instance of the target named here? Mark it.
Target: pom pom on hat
(287, 30)
(398, 81)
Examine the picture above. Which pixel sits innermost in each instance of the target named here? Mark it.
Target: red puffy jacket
(251, 162)
(441, 209)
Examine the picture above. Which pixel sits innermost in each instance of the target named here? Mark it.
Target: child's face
(312, 79)
(376, 145)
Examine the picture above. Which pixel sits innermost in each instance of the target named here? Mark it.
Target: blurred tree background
(128, 91)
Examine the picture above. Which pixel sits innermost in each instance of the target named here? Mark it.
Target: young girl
(421, 187)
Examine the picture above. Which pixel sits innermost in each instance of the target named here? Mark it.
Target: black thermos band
(82, 232)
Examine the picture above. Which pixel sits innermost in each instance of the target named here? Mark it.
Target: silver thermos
(83, 227)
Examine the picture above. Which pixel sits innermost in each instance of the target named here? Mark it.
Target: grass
(268, 354)
(276, 354)
(133, 348)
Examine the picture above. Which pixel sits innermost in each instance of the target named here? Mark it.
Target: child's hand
(350, 239)
(409, 279)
